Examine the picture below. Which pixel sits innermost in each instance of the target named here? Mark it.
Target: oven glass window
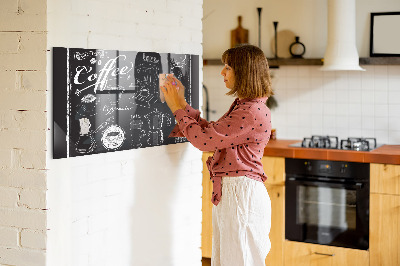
(326, 207)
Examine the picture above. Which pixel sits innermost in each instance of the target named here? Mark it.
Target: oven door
(327, 213)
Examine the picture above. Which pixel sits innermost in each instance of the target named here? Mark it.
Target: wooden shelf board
(380, 61)
(275, 62)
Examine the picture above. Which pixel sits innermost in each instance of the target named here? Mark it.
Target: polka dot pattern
(238, 139)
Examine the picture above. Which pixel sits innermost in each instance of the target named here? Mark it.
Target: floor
(206, 261)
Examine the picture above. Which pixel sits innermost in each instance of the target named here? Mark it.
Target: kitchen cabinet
(384, 221)
(385, 214)
(206, 225)
(305, 254)
(385, 178)
(277, 233)
(274, 168)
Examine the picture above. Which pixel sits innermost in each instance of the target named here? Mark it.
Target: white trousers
(241, 223)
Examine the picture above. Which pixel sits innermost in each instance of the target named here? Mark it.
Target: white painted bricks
(23, 178)
(32, 199)
(9, 237)
(35, 239)
(117, 208)
(22, 139)
(22, 119)
(23, 132)
(27, 16)
(21, 256)
(23, 218)
(8, 197)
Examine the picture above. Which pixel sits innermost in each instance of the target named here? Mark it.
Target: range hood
(341, 51)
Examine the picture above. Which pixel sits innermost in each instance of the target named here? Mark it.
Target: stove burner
(358, 144)
(328, 142)
(332, 142)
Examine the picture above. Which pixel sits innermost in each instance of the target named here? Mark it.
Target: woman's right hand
(181, 90)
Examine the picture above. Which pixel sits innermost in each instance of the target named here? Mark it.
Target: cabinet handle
(324, 254)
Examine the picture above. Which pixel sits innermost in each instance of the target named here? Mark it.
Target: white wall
(311, 102)
(304, 18)
(136, 207)
(343, 104)
(23, 133)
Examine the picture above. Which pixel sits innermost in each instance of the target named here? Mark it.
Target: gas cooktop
(332, 142)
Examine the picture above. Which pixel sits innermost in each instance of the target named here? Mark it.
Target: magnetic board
(109, 100)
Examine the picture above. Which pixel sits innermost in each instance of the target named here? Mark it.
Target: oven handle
(357, 185)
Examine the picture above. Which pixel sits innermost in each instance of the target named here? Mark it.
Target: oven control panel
(338, 169)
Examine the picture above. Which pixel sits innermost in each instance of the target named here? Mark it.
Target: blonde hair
(250, 66)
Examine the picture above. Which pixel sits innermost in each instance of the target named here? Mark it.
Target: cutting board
(239, 35)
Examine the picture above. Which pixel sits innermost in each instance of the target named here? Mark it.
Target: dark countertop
(389, 154)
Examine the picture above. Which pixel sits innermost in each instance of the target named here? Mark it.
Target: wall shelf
(380, 61)
(274, 63)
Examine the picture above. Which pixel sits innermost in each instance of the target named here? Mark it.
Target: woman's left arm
(238, 128)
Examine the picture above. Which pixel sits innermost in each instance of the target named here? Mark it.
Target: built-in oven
(327, 202)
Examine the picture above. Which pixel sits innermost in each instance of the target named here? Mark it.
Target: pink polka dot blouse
(238, 139)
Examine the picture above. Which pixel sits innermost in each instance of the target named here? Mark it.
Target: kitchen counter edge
(385, 154)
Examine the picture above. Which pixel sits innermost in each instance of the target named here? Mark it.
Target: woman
(242, 208)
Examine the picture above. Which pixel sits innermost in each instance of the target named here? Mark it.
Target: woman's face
(229, 76)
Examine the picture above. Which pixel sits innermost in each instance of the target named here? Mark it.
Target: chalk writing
(110, 100)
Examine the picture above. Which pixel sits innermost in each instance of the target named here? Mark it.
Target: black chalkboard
(109, 100)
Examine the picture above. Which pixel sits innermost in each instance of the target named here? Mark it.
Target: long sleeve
(238, 140)
(193, 113)
(231, 130)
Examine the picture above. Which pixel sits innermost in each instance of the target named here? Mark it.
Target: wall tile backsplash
(339, 103)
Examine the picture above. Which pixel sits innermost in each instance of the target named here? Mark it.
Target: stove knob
(308, 166)
(343, 168)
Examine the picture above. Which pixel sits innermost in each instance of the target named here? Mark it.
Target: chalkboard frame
(88, 120)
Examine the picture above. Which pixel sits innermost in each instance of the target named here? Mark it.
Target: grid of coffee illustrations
(110, 100)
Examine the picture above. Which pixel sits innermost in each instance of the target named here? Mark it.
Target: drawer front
(297, 253)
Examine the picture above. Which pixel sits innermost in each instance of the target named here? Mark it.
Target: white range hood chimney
(341, 51)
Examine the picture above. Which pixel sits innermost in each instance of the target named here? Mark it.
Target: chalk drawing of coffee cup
(155, 137)
(113, 137)
(86, 142)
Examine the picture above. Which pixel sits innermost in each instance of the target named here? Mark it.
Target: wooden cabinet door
(206, 226)
(277, 233)
(274, 168)
(385, 178)
(384, 236)
(304, 254)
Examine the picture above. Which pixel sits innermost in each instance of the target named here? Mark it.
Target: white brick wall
(22, 132)
(136, 207)
(109, 209)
